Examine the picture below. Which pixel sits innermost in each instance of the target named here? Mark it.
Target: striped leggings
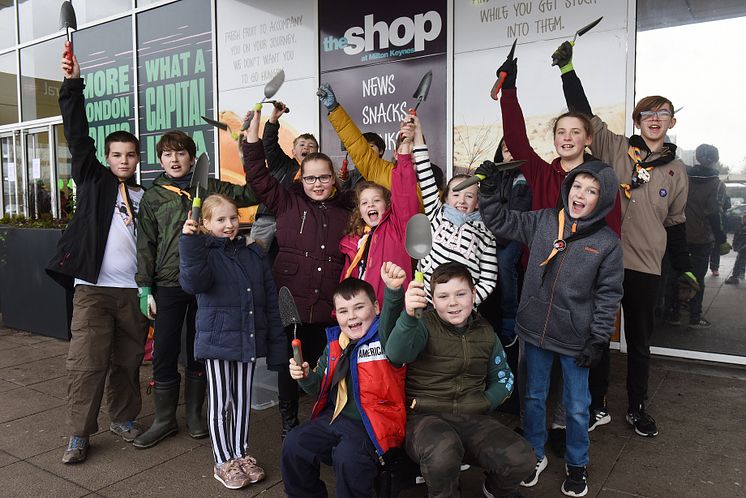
(229, 408)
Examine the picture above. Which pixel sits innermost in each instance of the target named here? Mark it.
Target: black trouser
(173, 305)
(699, 254)
(313, 340)
(598, 381)
(638, 306)
(715, 257)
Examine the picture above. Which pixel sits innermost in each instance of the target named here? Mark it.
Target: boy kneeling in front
(359, 414)
(456, 375)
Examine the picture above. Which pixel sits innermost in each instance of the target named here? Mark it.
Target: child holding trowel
(458, 231)
(238, 321)
(359, 415)
(163, 210)
(96, 255)
(377, 228)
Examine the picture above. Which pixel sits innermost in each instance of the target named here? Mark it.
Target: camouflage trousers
(440, 443)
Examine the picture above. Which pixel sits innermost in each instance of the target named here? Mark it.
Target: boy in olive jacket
(163, 211)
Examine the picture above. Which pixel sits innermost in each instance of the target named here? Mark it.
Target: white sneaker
(533, 479)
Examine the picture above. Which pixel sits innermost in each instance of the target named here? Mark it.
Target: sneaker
(126, 430)
(230, 475)
(715, 273)
(77, 450)
(575, 482)
(599, 416)
(249, 467)
(732, 280)
(487, 491)
(644, 424)
(533, 479)
(700, 324)
(557, 437)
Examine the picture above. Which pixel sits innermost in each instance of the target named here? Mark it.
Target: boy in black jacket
(97, 254)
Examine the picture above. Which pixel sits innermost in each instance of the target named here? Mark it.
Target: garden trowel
(270, 89)
(289, 316)
(199, 182)
(419, 241)
(68, 22)
(502, 74)
(478, 178)
(422, 90)
(578, 33)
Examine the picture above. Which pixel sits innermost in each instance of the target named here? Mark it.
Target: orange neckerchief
(559, 243)
(125, 198)
(634, 153)
(177, 190)
(360, 251)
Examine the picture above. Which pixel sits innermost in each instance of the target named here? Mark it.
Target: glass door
(41, 196)
(14, 200)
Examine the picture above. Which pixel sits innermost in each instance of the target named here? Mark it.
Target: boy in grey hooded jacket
(571, 294)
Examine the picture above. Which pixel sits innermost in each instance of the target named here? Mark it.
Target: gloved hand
(562, 57)
(510, 67)
(725, 248)
(688, 287)
(326, 96)
(591, 353)
(487, 186)
(147, 302)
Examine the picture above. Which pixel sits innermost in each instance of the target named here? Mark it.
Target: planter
(29, 299)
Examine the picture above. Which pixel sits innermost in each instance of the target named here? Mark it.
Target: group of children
(395, 362)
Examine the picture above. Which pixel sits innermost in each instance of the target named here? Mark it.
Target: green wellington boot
(164, 425)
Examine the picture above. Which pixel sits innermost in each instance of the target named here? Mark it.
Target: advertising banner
(174, 78)
(483, 34)
(374, 58)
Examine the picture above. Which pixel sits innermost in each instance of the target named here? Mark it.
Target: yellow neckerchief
(634, 153)
(344, 341)
(177, 190)
(360, 251)
(559, 243)
(126, 200)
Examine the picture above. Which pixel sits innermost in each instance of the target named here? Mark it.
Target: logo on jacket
(370, 352)
(663, 192)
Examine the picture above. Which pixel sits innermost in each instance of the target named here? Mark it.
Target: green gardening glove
(688, 287)
(562, 57)
(147, 302)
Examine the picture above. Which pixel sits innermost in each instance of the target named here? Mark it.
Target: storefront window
(12, 171)
(41, 79)
(7, 24)
(41, 17)
(38, 174)
(8, 89)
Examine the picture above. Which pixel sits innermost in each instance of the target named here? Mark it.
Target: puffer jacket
(576, 295)
(703, 206)
(238, 318)
(309, 261)
(160, 219)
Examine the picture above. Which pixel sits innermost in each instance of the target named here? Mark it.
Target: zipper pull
(303, 221)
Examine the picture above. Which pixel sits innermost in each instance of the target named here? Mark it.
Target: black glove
(688, 287)
(488, 186)
(510, 67)
(562, 57)
(591, 353)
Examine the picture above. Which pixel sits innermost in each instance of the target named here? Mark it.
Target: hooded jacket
(706, 192)
(576, 295)
(238, 318)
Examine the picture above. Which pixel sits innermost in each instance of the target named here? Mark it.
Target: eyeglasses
(310, 180)
(662, 114)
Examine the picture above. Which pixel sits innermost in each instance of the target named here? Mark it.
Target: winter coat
(377, 387)
(471, 243)
(80, 251)
(238, 318)
(387, 240)
(545, 179)
(160, 220)
(576, 295)
(309, 261)
(373, 167)
(703, 206)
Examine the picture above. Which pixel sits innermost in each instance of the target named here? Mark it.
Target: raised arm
(281, 166)
(195, 276)
(426, 179)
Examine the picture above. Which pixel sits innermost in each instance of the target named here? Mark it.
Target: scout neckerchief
(127, 205)
(642, 167)
(560, 243)
(340, 373)
(177, 190)
(362, 249)
(180, 185)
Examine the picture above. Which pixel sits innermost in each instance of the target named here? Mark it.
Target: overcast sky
(701, 67)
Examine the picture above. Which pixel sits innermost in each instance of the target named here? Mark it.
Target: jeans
(507, 261)
(699, 255)
(576, 399)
